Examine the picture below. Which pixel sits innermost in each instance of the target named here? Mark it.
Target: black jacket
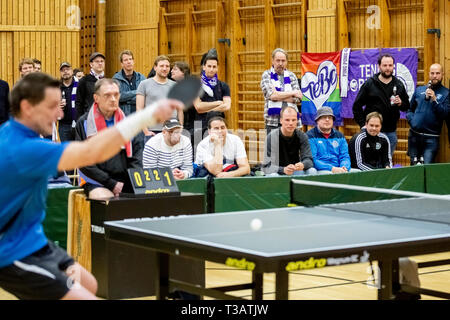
(111, 171)
(67, 119)
(368, 152)
(375, 98)
(4, 101)
(85, 94)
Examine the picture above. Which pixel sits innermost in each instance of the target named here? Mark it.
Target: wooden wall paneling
(321, 17)
(343, 41)
(163, 35)
(100, 26)
(429, 38)
(221, 46)
(270, 40)
(237, 47)
(189, 30)
(383, 34)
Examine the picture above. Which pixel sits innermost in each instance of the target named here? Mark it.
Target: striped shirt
(157, 154)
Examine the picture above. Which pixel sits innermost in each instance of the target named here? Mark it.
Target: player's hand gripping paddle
(186, 91)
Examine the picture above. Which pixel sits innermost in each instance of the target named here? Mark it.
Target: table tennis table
(294, 238)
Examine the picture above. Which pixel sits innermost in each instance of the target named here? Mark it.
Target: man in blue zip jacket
(328, 146)
(129, 82)
(428, 109)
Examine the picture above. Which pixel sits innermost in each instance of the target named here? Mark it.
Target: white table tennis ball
(256, 224)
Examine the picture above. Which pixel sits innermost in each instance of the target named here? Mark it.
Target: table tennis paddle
(186, 91)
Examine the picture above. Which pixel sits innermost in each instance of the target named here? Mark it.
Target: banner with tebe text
(320, 85)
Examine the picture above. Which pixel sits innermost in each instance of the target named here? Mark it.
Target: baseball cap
(64, 64)
(172, 123)
(95, 55)
(324, 111)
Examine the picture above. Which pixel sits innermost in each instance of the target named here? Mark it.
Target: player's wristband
(136, 122)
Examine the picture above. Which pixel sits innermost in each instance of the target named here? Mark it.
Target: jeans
(392, 136)
(310, 171)
(66, 132)
(420, 145)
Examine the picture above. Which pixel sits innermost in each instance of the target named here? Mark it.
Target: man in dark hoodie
(85, 91)
(385, 94)
(429, 108)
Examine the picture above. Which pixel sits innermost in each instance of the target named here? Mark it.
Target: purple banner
(363, 64)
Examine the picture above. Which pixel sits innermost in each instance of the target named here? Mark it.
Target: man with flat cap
(85, 91)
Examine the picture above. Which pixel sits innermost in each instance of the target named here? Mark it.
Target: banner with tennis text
(320, 85)
(360, 65)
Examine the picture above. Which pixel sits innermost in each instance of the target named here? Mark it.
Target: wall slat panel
(36, 29)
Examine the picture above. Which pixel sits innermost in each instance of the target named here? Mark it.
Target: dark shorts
(41, 275)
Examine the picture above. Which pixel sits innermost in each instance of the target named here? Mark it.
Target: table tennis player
(31, 266)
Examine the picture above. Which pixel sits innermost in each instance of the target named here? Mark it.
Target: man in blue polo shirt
(31, 266)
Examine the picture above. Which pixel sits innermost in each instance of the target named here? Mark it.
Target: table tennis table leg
(162, 277)
(281, 285)
(257, 291)
(389, 279)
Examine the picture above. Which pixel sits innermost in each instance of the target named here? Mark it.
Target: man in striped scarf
(109, 178)
(280, 88)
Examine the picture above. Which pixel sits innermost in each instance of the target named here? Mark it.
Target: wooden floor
(347, 282)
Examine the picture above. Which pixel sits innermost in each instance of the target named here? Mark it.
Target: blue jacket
(328, 153)
(127, 95)
(427, 116)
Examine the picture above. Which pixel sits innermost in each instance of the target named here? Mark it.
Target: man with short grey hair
(109, 178)
(280, 88)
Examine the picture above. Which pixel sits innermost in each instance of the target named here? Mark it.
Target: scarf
(73, 97)
(98, 76)
(96, 122)
(275, 106)
(209, 84)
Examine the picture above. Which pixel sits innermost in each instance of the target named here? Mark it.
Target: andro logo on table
(240, 264)
(311, 263)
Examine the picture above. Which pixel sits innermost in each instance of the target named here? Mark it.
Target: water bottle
(428, 86)
(63, 101)
(394, 93)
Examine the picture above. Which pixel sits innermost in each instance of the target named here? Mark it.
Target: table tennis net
(386, 202)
